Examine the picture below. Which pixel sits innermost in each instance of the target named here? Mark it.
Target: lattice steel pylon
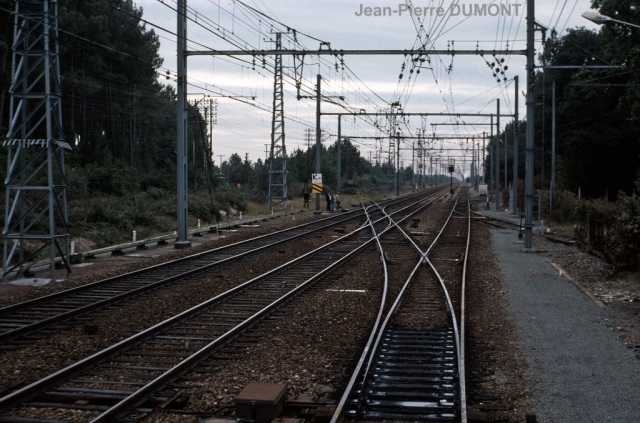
(278, 163)
(36, 184)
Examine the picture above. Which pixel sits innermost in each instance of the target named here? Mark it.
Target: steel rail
(368, 350)
(120, 409)
(91, 285)
(32, 390)
(92, 306)
(137, 398)
(462, 359)
(456, 329)
(371, 350)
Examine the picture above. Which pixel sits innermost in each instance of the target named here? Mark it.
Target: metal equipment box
(261, 402)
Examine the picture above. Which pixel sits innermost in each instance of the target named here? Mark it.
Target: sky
(243, 88)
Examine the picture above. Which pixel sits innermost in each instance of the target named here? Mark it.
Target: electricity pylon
(278, 162)
(36, 184)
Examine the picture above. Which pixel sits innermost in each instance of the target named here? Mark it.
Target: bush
(612, 229)
(622, 241)
(111, 178)
(565, 207)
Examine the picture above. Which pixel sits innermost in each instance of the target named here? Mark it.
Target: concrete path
(585, 372)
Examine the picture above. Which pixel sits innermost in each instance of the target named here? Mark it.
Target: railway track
(21, 324)
(148, 370)
(412, 368)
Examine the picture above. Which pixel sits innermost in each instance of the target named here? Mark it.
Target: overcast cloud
(460, 84)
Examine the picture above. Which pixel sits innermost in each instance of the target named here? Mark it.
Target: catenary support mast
(182, 241)
(278, 162)
(36, 182)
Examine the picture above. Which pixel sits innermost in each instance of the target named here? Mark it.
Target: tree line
(120, 118)
(597, 110)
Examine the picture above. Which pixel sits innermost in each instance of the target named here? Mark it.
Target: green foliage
(622, 245)
(200, 207)
(596, 134)
(619, 223)
(111, 178)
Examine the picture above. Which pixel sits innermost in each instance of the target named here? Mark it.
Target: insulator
(400, 76)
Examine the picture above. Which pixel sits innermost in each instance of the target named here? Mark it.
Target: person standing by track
(306, 198)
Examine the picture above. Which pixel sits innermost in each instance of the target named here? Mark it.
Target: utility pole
(506, 182)
(278, 166)
(552, 190)
(516, 143)
(472, 175)
(213, 120)
(413, 164)
(498, 156)
(339, 159)
(246, 169)
(492, 172)
(484, 164)
(529, 150)
(221, 156)
(307, 133)
(432, 167)
(478, 162)
(182, 240)
(398, 163)
(318, 141)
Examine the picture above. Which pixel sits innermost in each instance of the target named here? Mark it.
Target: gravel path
(584, 371)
